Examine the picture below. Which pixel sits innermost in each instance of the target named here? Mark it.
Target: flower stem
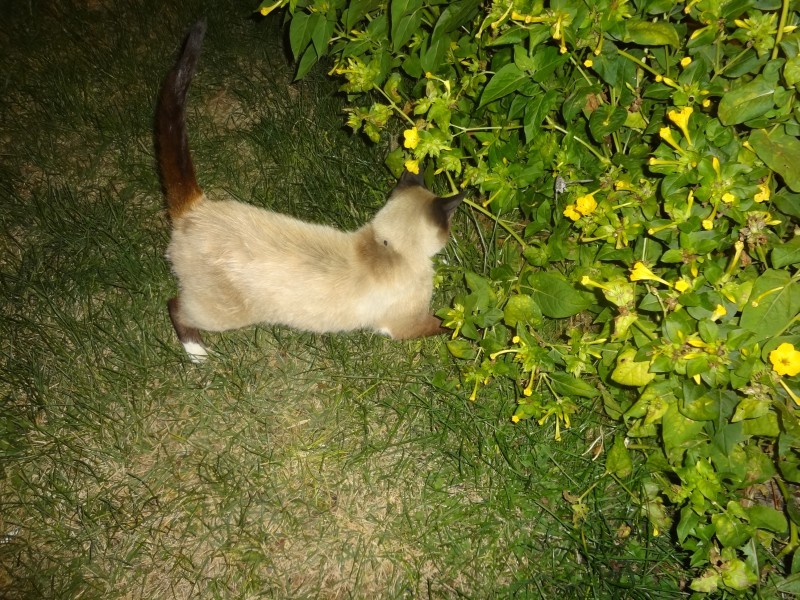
(395, 107)
(586, 145)
(643, 65)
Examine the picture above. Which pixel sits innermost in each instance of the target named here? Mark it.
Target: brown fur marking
(425, 326)
(178, 177)
(186, 334)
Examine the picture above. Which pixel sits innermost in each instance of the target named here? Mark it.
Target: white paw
(197, 353)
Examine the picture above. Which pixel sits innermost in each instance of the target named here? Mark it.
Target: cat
(239, 265)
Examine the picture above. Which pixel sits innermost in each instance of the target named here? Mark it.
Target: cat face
(414, 220)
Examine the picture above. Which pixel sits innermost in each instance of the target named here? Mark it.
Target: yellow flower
(586, 281)
(655, 162)
(681, 119)
(686, 61)
(727, 197)
(785, 360)
(586, 204)
(515, 16)
(570, 212)
(666, 135)
(412, 166)
(265, 10)
(681, 285)
(763, 192)
(670, 82)
(719, 311)
(411, 138)
(642, 273)
(623, 185)
(707, 224)
(717, 168)
(515, 419)
(588, 63)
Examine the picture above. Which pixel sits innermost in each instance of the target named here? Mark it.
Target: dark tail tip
(190, 55)
(178, 177)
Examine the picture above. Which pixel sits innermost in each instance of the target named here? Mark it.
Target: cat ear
(409, 179)
(443, 209)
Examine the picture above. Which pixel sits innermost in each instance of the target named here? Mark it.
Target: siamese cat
(239, 265)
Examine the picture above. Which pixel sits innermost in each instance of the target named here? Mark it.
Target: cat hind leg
(422, 326)
(188, 336)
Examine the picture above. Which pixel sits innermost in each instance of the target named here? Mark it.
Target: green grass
(290, 465)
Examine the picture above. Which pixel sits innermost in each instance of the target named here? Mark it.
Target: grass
(291, 465)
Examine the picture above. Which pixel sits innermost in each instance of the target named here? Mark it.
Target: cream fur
(238, 265)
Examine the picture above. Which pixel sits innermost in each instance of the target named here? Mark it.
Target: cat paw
(196, 352)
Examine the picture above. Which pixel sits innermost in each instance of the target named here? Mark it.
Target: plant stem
(643, 65)
(585, 144)
(781, 25)
(395, 107)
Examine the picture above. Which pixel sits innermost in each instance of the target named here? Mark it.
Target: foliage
(640, 156)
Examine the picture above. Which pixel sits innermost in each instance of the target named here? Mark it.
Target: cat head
(414, 219)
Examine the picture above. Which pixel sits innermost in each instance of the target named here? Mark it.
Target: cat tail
(178, 178)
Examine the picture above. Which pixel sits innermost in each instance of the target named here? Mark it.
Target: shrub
(643, 159)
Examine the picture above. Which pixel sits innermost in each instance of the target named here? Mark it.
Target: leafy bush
(643, 159)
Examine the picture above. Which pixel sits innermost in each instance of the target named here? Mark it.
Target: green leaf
(698, 403)
(405, 27)
(521, 308)
(356, 9)
(706, 583)
(764, 426)
(786, 254)
(766, 517)
(321, 33)
(406, 16)
(308, 60)
(790, 585)
(536, 110)
(746, 102)
(606, 120)
(647, 33)
(455, 15)
(731, 531)
(462, 349)
(791, 71)
(558, 298)
(751, 407)
(630, 372)
(774, 301)
(781, 153)
(546, 59)
(300, 32)
(512, 36)
(481, 290)
(618, 460)
(737, 575)
(508, 79)
(567, 385)
(432, 59)
(679, 432)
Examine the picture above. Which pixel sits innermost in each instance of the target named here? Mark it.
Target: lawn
(290, 465)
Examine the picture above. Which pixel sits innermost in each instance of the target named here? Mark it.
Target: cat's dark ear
(443, 209)
(409, 179)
